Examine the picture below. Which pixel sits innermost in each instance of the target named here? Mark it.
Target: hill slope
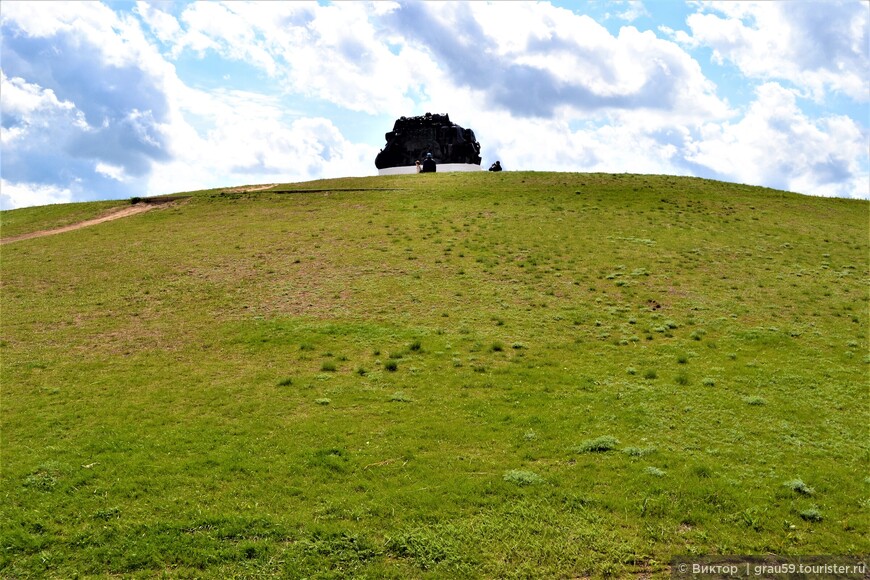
(476, 375)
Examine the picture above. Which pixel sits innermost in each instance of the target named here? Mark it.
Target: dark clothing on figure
(428, 166)
(495, 166)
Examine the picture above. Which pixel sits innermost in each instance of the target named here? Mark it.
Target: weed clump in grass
(811, 514)
(754, 400)
(391, 366)
(44, 477)
(108, 514)
(631, 370)
(340, 548)
(682, 379)
(425, 547)
(522, 478)
(322, 401)
(285, 382)
(497, 347)
(702, 471)
(799, 486)
(415, 346)
(655, 471)
(597, 445)
(650, 374)
(639, 451)
(328, 367)
(708, 382)
(399, 397)
(361, 371)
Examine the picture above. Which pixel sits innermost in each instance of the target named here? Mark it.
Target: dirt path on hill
(122, 212)
(247, 188)
(113, 214)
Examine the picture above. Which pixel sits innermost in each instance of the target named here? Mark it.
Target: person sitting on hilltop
(428, 164)
(495, 166)
(418, 166)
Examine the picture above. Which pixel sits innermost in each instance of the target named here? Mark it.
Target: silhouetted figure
(428, 164)
(495, 166)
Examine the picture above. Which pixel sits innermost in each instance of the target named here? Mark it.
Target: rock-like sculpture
(413, 137)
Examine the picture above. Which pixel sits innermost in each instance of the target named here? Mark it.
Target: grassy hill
(448, 375)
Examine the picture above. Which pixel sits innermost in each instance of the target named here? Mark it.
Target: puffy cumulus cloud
(614, 142)
(527, 58)
(337, 53)
(546, 145)
(111, 171)
(537, 60)
(91, 109)
(27, 107)
(93, 106)
(772, 143)
(164, 26)
(777, 145)
(16, 195)
(101, 100)
(817, 46)
(249, 138)
(631, 10)
(35, 122)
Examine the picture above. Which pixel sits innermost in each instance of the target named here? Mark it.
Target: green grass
(208, 390)
(23, 221)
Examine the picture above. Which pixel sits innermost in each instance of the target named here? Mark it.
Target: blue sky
(122, 99)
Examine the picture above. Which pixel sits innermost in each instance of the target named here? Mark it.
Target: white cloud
(542, 61)
(226, 28)
(117, 38)
(27, 106)
(111, 171)
(332, 52)
(15, 195)
(818, 46)
(633, 9)
(103, 72)
(247, 138)
(776, 144)
(164, 26)
(544, 88)
(23, 98)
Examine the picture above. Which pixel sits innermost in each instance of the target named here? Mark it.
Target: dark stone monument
(413, 137)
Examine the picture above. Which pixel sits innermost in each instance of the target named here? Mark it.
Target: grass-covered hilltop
(483, 375)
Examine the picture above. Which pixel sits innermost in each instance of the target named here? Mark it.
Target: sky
(120, 99)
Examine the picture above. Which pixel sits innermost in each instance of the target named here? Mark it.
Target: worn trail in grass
(478, 375)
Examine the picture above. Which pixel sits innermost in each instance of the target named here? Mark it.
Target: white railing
(440, 168)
